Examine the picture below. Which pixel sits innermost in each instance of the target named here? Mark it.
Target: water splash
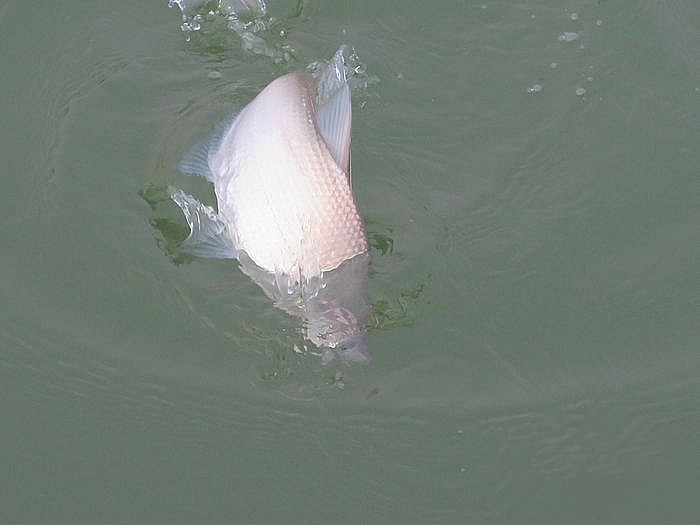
(248, 19)
(356, 73)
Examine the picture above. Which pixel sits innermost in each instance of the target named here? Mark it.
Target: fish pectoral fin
(209, 236)
(334, 109)
(196, 161)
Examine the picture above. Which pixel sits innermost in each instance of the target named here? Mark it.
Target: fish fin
(334, 109)
(209, 236)
(196, 161)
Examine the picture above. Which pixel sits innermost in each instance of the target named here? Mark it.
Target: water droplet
(574, 16)
(580, 92)
(535, 88)
(568, 36)
(554, 65)
(214, 75)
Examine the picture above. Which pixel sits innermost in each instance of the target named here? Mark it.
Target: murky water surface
(528, 173)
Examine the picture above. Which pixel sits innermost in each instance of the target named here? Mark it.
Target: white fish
(281, 174)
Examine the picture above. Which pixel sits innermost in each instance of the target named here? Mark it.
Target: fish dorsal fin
(196, 161)
(334, 109)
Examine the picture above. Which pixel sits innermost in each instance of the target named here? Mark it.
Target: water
(534, 278)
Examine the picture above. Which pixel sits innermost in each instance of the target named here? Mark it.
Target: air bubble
(535, 88)
(580, 92)
(568, 36)
(574, 16)
(554, 65)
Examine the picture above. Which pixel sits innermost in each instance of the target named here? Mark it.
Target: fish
(286, 209)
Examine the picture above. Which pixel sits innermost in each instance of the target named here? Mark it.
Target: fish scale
(292, 206)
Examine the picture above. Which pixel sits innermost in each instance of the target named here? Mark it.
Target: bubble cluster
(248, 19)
(568, 36)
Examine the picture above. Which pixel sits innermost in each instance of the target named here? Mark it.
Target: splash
(247, 19)
(355, 72)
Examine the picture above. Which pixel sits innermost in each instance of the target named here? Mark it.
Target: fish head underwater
(286, 209)
(333, 307)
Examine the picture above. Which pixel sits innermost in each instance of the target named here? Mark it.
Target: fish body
(287, 200)
(286, 209)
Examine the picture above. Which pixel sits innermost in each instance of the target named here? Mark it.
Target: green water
(535, 274)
